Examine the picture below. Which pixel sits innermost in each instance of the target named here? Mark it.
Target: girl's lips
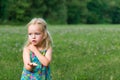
(33, 40)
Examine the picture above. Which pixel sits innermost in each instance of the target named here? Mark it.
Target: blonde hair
(47, 42)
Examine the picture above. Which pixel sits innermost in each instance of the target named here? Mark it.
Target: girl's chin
(35, 44)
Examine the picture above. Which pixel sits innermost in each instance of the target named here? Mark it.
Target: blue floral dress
(40, 72)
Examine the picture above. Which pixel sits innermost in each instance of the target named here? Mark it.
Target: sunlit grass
(80, 52)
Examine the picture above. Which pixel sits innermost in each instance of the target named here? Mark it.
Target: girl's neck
(40, 48)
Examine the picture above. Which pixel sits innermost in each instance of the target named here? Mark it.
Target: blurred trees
(103, 11)
(56, 11)
(76, 11)
(61, 11)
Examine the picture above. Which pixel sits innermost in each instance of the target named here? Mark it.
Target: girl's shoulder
(26, 49)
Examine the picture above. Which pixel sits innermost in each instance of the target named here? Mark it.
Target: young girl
(37, 52)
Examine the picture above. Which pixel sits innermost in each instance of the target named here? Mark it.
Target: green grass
(80, 52)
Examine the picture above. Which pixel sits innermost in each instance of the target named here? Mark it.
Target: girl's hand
(32, 48)
(32, 64)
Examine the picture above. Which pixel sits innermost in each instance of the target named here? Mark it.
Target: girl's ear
(45, 35)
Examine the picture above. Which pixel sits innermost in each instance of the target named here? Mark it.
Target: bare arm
(26, 59)
(45, 60)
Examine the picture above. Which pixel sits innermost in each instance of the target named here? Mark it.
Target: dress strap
(43, 52)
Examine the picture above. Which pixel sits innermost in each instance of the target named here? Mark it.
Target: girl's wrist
(36, 51)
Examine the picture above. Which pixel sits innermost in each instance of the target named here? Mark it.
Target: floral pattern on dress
(40, 72)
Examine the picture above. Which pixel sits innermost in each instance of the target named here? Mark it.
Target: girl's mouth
(33, 40)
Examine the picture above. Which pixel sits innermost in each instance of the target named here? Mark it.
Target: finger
(30, 64)
(34, 64)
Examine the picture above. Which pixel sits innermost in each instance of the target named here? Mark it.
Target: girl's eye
(37, 33)
(29, 34)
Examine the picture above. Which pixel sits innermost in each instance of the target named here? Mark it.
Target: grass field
(80, 52)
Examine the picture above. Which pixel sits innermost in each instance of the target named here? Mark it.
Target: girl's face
(35, 35)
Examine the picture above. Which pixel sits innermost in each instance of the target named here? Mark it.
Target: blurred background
(81, 51)
(61, 11)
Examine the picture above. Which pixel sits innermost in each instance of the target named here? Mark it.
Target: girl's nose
(33, 36)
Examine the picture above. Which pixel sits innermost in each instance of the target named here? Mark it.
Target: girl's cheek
(30, 40)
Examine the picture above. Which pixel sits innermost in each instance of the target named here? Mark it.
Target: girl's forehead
(35, 27)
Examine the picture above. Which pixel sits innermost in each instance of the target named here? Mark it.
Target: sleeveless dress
(40, 72)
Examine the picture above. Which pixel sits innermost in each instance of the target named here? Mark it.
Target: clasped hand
(32, 48)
